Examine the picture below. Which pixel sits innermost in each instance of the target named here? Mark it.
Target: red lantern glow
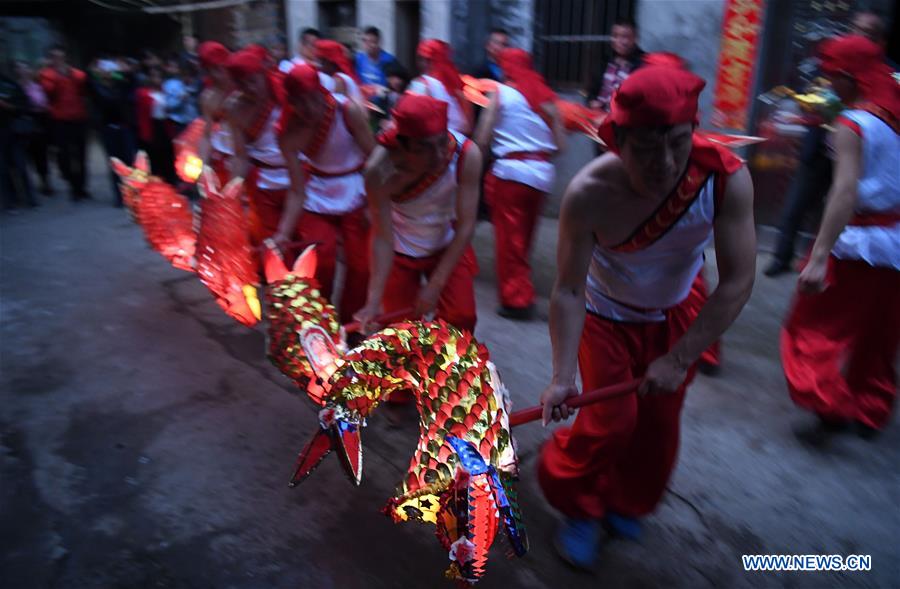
(188, 164)
(226, 263)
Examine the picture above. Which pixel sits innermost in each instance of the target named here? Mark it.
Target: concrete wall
(690, 29)
(381, 14)
(299, 14)
(437, 19)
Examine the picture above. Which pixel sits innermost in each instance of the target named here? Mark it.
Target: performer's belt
(314, 171)
(885, 219)
(264, 165)
(218, 156)
(540, 156)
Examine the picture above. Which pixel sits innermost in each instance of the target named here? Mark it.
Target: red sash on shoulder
(669, 212)
(323, 130)
(428, 180)
(881, 114)
(706, 159)
(256, 127)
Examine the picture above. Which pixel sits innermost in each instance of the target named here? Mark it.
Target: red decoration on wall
(737, 60)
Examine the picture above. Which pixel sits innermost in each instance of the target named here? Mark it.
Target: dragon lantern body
(461, 474)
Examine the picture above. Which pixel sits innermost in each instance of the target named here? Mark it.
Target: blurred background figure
(181, 90)
(153, 135)
(112, 94)
(66, 89)
(626, 58)
(812, 178)
(371, 62)
(497, 41)
(14, 129)
(306, 50)
(38, 139)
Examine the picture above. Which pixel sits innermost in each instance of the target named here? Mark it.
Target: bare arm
(567, 301)
(466, 216)
(735, 240)
(838, 208)
(486, 124)
(556, 125)
(358, 125)
(382, 233)
(290, 144)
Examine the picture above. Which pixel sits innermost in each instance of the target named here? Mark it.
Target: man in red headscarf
(423, 192)
(334, 62)
(633, 227)
(325, 140)
(840, 340)
(216, 147)
(252, 112)
(440, 79)
(522, 129)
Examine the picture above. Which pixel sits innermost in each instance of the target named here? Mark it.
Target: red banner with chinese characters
(737, 60)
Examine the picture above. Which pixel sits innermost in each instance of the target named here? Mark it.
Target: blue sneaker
(578, 541)
(623, 526)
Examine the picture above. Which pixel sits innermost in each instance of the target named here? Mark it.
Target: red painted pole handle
(589, 398)
(381, 319)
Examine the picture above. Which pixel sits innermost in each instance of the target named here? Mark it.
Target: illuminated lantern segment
(461, 475)
(164, 214)
(188, 164)
(226, 263)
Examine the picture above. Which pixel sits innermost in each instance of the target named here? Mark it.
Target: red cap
(302, 79)
(244, 64)
(417, 116)
(442, 67)
(212, 54)
(653, 96)
(519, 73)
(665, 58)
(862, 60)
(332, 51)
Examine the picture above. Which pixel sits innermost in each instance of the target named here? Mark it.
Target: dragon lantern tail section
(336, 432)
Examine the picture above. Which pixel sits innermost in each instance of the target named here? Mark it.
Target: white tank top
(353, 92)
(521, 130)
(878, 191)
(423, 225)
(656, 277)
(273, 175)
(340, 188)
(456, 119)
(220, 138)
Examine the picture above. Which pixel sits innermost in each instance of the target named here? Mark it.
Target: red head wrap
(519, 73)
(862, 60)
(258, 50)
(417, 116)
(302, 79)
(212, 54)
(442, 67)
(652, 96)
(245, 63)
(332, 51)
(665, 58)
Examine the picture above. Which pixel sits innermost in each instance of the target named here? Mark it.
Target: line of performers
(400, 211)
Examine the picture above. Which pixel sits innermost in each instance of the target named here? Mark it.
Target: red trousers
(219, 164)
(697, 298)
(514, 209)
(456, 304)
(838, 347)
(265, 207)
(350, 230)
(618, 454)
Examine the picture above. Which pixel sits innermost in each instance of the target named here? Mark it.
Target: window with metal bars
(572, 38)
